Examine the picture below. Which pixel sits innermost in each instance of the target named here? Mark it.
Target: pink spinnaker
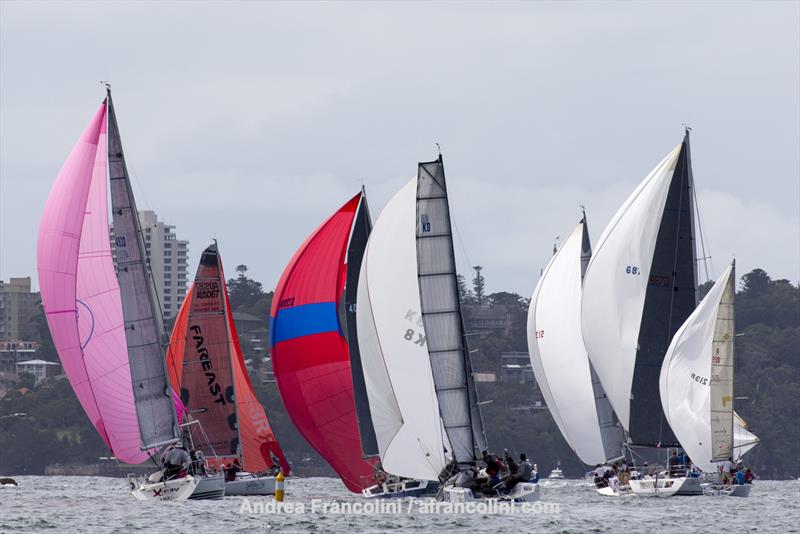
(81, 295)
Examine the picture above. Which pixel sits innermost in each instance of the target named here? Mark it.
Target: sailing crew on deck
(231, 470)
(177, 459)
(749, 477)
(508, 461)
(725, 472)
(198, 466)
(492, 468)
(599, 481)
(674, 462)
(523, 474)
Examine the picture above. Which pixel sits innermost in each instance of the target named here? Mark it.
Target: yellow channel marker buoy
(279, 481)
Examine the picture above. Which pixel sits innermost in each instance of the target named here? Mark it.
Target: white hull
(250, 485)
(177, 489)
(522, 492)
(401, 488)
(608, 491)
(737, 490)
(666, 487)
(556, 474)
(211, 487)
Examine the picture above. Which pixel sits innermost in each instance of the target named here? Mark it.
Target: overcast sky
(252, 122)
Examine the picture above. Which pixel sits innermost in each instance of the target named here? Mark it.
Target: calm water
(96, 504)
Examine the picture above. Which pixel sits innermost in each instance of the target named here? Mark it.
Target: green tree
(244, 291)
(479, 285)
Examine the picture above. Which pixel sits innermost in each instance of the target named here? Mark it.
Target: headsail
(206, 365)
(441, 315)
(743, 439)
(80, 293)
(310, 354)
(144, 328)
(559, 359)
(391, 337)
(638, 290)
(362, 226)
(696, 382)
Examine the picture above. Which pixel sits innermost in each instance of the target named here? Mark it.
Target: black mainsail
(442, 316)
(144, 328)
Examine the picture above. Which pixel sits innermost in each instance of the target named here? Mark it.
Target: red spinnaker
(310, 356)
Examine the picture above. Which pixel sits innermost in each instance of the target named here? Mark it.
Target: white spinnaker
(615, 285)
(397, 371)
(557, 352)
(743, 439)
(685, 382)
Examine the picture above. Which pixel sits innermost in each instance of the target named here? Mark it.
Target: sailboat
(206, 366)
(565, 375)
(696, 384)
(311, 356)
(416, 363)
(639, 287)
(103, 314)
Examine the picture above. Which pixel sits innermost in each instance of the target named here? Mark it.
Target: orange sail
(206, 365)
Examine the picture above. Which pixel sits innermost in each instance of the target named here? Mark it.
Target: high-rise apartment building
(168, 257)
(18, 308)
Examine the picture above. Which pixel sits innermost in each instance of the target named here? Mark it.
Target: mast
(144, 327)
(442, 316)
(669, 300)
(362, 226)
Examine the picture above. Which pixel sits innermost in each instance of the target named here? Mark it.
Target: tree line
(54, 429)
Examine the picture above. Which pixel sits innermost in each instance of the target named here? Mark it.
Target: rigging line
(706, 257)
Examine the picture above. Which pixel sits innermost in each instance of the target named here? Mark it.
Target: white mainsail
(697, 379)
(397, 370)
(558, 355)
(615, 285)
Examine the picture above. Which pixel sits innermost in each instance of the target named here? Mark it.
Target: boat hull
(666, 487)
(251, 485)
(402, 488)
(737, 490)
(177, 489)
(608, 491)
(211, 487)
(522, 492)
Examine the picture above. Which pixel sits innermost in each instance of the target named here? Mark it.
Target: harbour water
(99, 504)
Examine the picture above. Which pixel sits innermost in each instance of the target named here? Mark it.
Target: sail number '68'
(630, 269)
